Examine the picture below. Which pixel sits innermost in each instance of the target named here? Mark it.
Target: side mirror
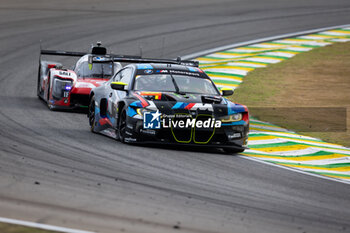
(119, 86)
(226, 91)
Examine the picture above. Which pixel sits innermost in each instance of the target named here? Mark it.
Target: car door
(114, 96)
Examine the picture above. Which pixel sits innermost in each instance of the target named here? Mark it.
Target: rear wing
(80, 54)
(99, 55)
(98, 52)
(135, 59)
(62, 53)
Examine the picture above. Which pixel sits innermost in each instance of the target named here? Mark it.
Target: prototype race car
(167, 101)
(66, 89)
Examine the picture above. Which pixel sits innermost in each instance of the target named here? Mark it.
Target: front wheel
(39, 90)
(50, 106)
(122, 126)
(91, 114)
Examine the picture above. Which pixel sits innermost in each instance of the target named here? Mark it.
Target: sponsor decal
(233, 136)
(193, 106)
(184, 72)
(64, 73)
(128, 133)
(148, 71)
(130, 139)
(188, 122)
(151, 120)
(154, 120)
(148, 131)
(161, 71)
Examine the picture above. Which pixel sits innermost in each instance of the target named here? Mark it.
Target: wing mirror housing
(226, 91)
(119, 86)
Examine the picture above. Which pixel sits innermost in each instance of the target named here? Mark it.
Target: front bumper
(72, 101)
(230, 136)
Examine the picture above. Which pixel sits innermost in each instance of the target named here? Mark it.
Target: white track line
(41, 226)
(294, 169)
(235, 45)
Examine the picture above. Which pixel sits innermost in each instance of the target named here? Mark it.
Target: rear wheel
(38, 90)
(50, 106)
(122, 126)
(91, 114)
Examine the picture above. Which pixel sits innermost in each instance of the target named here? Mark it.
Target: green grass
(11, 228)
(319, 78)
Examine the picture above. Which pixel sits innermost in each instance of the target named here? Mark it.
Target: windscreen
(99, 70)
(174, 83)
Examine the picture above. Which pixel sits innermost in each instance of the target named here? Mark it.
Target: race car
(64, 88)
(170, 102)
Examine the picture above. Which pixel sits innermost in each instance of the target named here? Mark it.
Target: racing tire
(50, 106)
(91, 114)
(38, 90)
(232, 150)
(122, 125)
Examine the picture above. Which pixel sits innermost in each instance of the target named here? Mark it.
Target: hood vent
(211, 99)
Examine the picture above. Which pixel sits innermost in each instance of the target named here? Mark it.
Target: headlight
(59, 87)
(68, 87)
(233, 117)
(140, 111)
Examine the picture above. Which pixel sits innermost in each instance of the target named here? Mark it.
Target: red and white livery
(64, 88)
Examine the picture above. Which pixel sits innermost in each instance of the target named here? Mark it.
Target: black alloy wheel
(92, 114)
(122, 126)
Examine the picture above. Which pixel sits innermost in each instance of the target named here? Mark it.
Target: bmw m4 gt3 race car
(167, 101)
(66, 89)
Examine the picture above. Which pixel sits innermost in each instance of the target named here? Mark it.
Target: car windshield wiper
(177, 87)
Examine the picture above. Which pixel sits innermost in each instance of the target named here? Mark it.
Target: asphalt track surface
(54, 171)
